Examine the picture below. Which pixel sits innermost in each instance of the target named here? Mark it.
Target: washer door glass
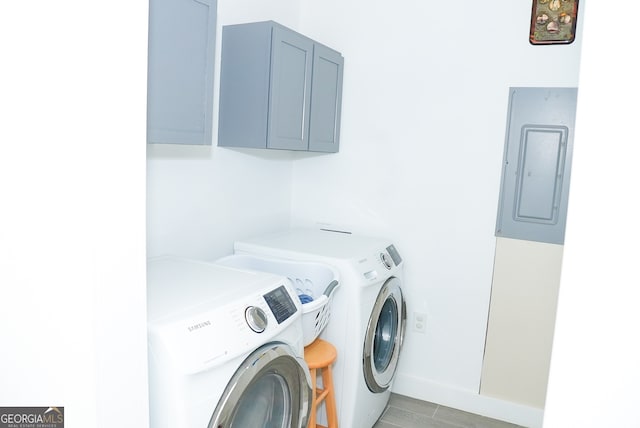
(264, 404)
(384, 335)
(271, 389)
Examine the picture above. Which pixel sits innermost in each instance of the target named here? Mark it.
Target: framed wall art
(553, 22)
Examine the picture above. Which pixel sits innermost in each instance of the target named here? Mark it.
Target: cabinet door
(180, 71)
(244, 85)
(326, 99)
(291, 61)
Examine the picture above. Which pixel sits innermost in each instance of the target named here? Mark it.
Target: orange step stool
(320, 355)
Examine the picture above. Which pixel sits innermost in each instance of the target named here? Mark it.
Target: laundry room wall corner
(201, 199)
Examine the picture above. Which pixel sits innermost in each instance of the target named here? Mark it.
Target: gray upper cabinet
(180, 71)
(278, 90)
(324, 128)
(291, 71)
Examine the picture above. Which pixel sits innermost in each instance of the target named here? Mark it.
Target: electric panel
(537, 164)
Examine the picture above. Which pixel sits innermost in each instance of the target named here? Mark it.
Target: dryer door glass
(271, 389)
(384, 335)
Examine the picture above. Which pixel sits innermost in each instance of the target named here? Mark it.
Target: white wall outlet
(419, 322)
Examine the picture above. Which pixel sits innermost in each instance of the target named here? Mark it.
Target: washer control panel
(256, 318)
(280, 303)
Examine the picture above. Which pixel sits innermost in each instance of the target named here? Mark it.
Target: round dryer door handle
(256, 319)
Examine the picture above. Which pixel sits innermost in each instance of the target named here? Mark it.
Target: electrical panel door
(537, 164)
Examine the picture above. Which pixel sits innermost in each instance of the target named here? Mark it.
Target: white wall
(201, 199)
(72, 265)
(424, 116)
(595, 370)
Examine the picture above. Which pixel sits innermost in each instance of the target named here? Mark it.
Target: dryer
(225, 348)
(368, 314)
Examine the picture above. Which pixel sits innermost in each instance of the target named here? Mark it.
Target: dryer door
(384, 335)
(271, 389)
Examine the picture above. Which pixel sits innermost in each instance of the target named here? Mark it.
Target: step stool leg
(330, 401)
(312, 414)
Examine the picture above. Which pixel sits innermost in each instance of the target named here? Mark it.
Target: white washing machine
(368, 314)
(225, 348)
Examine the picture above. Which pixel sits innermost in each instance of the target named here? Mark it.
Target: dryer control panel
(395, 256)
(387, 258)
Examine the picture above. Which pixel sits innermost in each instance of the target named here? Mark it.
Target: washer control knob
(256, 319)
(386, 261)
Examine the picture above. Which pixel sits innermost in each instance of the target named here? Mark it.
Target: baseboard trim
(468, 401)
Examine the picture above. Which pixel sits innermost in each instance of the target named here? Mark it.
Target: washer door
(271, 389)
(384, 335)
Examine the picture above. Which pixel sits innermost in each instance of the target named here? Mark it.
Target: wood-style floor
(405, 412)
